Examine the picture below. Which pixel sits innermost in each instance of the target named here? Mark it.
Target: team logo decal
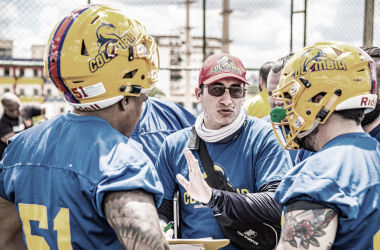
(109, 38)
(225, 63)
(316, 60)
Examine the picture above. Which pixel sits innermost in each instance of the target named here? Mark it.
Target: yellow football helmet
(96, 55)
(344, 75)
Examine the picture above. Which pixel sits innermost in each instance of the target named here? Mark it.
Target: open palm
(196, 187)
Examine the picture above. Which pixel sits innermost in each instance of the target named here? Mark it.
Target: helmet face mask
(96, 56)
(318, 80)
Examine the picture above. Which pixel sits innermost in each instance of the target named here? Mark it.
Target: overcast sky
(259, 29)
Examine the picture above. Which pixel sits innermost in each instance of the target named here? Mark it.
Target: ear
(261, 83)
(124, 103)
(198, 94)
(318, 98)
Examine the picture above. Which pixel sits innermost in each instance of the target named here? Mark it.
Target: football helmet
(344, 75)
(96, 55)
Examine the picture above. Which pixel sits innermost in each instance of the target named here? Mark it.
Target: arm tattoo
(306, 226)
(134, 218)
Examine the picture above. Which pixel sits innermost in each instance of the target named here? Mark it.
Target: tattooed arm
(134, 218)
(308, 225)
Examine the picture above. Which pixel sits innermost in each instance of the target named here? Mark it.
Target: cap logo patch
(316, 60)
(225, 63)
(108, 34)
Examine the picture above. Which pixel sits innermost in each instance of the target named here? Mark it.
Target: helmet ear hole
(130, 74)
(315, 98)
(83, 50)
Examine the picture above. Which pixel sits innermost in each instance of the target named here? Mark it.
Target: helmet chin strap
(322, 114)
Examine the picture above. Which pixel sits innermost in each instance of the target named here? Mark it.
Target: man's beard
(372, 116)
(308, 142)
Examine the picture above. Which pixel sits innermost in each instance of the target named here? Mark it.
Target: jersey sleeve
(308, 186)
(165, 169)
(127, 168)
(5, 128)
(272, 162)
(184, 117)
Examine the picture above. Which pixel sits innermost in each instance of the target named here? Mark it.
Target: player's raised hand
(196, 187)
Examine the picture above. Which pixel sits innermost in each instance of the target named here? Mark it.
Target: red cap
(221, 66)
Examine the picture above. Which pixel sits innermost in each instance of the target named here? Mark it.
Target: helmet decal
(108, 36)
(316, 60)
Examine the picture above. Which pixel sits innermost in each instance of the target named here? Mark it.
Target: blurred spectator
(18, 117)
(258, 105)
(273, 81)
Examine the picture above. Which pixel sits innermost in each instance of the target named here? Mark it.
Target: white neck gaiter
(210, 135)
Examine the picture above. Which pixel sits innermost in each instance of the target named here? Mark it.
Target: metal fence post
(368, 22)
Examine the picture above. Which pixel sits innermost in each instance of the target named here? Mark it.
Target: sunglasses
(218, 90)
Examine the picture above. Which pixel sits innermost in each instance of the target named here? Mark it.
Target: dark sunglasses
(218, 90)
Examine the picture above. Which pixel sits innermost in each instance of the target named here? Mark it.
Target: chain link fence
(259, 30)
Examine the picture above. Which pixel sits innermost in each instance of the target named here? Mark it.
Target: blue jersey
(248, 162)
(375, 133)
(304, 154)
(58, 173)
(344, 175)
(160, 119)
(292, 153)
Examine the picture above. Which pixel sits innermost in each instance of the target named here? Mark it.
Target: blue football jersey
(58, 173)
(160, 119)
(344, 175)
(304, 154)
(247, 162)
(375, 133)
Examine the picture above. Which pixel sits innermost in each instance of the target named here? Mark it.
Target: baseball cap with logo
(221, 66)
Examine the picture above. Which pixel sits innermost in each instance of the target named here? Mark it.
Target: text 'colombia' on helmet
(344, 75)
(96, 55)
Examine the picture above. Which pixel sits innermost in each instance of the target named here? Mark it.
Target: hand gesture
(196, 187)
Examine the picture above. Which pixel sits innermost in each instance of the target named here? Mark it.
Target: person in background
(273, 81)
(17, 117)
(258, 105)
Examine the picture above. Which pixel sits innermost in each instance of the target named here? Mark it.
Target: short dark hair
(356, 115)
(372, 51)
(264, 71)
(280, 63)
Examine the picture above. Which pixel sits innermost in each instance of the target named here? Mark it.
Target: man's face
(223, 110)
(373, 115)
(272, 83)
(12, 109)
